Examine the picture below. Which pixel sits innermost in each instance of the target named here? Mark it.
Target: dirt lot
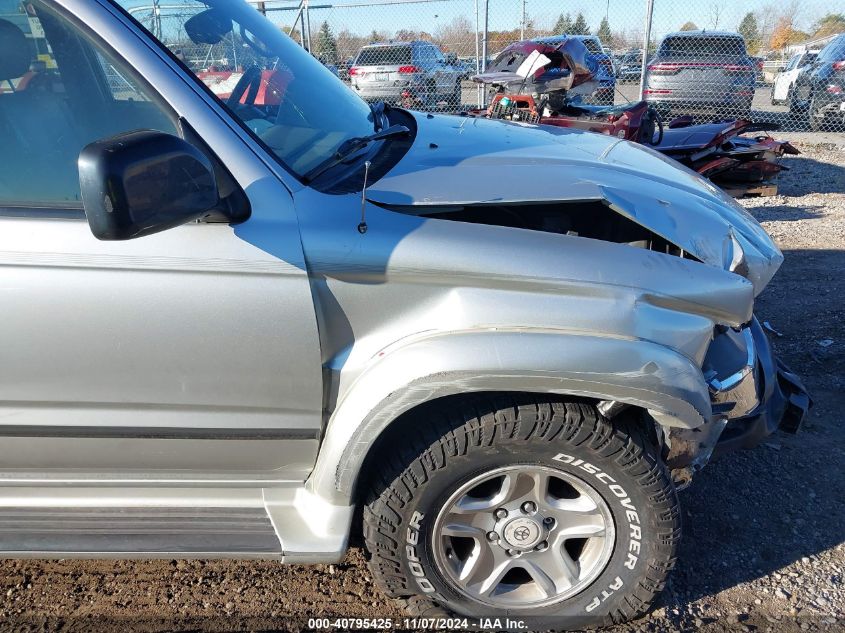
(764, 541)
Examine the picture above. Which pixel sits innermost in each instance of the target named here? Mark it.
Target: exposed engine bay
(591, 219)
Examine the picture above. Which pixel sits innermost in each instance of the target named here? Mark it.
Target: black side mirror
(144, 182)
(208, 27)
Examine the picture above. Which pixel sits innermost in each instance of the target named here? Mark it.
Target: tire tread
(445, 433)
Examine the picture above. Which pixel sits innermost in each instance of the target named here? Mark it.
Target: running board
(284, 522)
(151, 532)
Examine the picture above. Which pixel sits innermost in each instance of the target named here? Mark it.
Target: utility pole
(306, 18)
(522, 23)
(484, 36)
(477, 53)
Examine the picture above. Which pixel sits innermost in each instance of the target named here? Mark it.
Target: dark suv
(819, 92)
(702, 71)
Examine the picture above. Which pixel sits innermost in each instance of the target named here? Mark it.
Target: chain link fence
(776, 62)
(779, 62)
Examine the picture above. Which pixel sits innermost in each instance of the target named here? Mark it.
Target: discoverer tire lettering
(635, 534)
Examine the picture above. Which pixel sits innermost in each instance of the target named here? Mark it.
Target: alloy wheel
(523, 536)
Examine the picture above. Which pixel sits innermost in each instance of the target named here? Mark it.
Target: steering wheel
(651, 123)
(247, 84)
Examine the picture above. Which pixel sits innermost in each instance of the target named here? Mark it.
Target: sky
(669, 15)
(363, 16)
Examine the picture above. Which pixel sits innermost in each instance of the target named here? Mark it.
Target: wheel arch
(589, 368)
(479, 403)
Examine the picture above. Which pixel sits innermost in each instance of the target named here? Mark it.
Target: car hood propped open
(464, 161)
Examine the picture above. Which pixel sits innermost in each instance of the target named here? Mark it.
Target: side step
(142, 532)
(283, 522)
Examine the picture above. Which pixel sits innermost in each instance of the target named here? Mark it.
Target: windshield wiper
(352, 145)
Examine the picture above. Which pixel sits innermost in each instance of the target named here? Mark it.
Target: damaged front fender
(642, 374)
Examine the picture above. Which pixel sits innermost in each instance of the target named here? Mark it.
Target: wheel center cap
(522, 533)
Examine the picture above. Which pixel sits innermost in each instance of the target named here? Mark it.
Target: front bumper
(387, 92)
(783, 402)
(748, 405)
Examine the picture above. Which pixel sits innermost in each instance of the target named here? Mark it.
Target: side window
(438, 55)
(59, 91)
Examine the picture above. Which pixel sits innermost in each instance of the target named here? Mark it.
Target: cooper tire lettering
(412, 539)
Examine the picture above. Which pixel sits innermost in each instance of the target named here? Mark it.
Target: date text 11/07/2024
(417, 624)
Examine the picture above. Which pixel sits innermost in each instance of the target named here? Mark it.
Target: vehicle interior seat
(37, 127)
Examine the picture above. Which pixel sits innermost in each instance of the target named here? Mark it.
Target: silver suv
(403, 72)
(246, 314)
(701, 71)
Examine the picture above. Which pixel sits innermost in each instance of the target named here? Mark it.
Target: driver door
(188, 355)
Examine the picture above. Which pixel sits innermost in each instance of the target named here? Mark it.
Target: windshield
(288, 99)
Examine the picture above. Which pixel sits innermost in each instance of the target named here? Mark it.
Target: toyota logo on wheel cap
(522, 533)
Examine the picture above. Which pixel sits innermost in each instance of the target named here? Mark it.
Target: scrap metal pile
(542, 83)
(733, 154)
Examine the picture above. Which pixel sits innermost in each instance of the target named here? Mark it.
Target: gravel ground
(764, 532)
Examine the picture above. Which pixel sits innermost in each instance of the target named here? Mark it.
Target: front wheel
(797, 106)
(522, 507)
(814, 121)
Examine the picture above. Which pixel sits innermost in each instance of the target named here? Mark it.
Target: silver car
(701, 71)
(251, 321)
(406, 72)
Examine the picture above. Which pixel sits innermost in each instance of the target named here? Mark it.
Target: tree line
(769, 31)
(764, 30)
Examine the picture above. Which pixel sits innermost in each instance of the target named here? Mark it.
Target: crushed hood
(476, 161)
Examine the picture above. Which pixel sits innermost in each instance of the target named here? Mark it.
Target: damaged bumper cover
(750, 401)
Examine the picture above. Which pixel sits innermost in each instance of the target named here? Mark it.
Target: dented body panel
(423, 307)
(526, 163)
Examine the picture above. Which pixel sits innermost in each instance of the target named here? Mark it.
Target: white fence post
(484, 48)
(649, 14)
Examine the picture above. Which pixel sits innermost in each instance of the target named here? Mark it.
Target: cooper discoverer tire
(574, 516)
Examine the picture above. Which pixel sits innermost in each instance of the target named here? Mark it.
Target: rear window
(702, 46)
(384, 56)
